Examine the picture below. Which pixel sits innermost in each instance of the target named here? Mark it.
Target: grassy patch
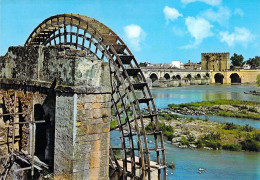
(166, 129)
(168, 117)
(216, 102)
(113, 124)
(245, 108)
(238, 114)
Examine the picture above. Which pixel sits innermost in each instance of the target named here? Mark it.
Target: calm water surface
(178, 95)
(217, 164)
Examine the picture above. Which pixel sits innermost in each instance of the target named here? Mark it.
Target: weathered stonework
(75, 94)
(215, 61)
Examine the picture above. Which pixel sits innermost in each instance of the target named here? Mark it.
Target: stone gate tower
(215, 61)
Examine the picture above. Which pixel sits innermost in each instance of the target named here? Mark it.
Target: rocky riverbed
(187, 132)
(242, 110)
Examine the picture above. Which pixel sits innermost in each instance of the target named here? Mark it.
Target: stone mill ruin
(58, 94)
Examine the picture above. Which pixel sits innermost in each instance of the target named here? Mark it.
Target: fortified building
(215, 61)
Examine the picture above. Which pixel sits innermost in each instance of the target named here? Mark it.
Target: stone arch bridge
(178, 77)
(175, 77)
(234, 77)
(174, 73)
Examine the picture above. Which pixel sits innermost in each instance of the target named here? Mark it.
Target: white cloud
(134, 35)
(241, 35)
(171, 13)
(199, 28)
(210, 2)
(220, 16)
(239, 12)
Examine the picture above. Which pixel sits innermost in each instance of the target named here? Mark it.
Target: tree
(258, 79)
(237, 60)
(254, 62)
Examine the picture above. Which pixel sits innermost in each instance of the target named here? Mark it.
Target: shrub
(199, 143)
(113, 124)
(251, 145)
(190, 138)
(212, 136)
(184, 141)
(247, 128)
(149, 127)
(169, 135)
(229, 126)
(232, 147)
(166, 129)
(117, 153)
(163, 127)
(258, 79)
(168, 116)
(213, 144)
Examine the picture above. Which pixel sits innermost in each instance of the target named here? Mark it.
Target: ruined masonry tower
(58, 94)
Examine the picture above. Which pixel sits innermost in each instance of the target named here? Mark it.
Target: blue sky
(157, 31)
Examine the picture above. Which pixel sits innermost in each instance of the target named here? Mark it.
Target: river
(218, 164)
(178, 95)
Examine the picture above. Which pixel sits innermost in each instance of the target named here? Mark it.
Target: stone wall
(77, 92)
(215, 61)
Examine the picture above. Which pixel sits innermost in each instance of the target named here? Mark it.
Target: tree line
(238, 60)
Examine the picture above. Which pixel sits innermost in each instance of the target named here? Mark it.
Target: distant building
(246, 66)
(145, 64)
(215, 61)
(194, 66)
(177, 64)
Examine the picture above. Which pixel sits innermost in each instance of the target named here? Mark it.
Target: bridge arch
(154, 77)
(178, 77)
(207, 75)
(174, 78)
(167, 76)
(198, 76)
(219, 78)
(189, 76)
(235, 78)
(87, 34)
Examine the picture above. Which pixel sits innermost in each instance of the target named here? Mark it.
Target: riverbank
(257, 93)
(197, 133)
(226, 108)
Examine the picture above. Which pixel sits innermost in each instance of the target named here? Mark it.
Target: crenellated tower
(215, 61)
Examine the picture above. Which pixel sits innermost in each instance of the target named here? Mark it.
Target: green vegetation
(168, 117)
(238, 115)
(227, 136)
(251, 145)
(243, 138)
(166, 129)
(212, 140)
(215, 102)
(237, 60)
(232, 147)
(246, 109)
(117, 153)
(254, 62)
(184, 142)
(258, 80)
(113, 124)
